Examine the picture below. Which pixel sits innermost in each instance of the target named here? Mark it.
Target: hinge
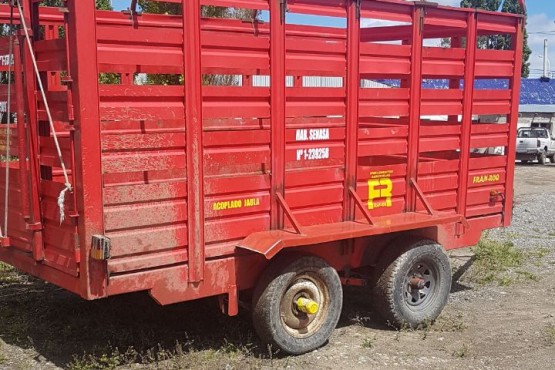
(70, 113)
(358, 5)
(283, 10)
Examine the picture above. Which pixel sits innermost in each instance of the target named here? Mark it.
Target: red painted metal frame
(82, 41)
(512, 120)
(466, 120)
(352, 103)
(22, 132)
(193, 119)
(277, 96)
(415, 104)
(430, 162)
(35, 221)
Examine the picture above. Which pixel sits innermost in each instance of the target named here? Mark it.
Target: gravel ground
(491, 326)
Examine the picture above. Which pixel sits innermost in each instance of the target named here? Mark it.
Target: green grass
(3, 357)
(450, 324)
(107, 360)
(461, 352)
(549, 335)
(121, 331)
(7, 273)
(369, 342)
(540, 252)
(493, 261)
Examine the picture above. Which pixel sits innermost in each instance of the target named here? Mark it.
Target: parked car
(535, 144)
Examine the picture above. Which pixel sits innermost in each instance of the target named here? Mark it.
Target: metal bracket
(360, 204)
(289, 214)
(229, 303)
(37, 226)
(422, 197)
(100, 249)
(5, 242)
(494, 194)
(353, 281)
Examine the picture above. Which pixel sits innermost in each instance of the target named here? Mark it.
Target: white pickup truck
(535, 144)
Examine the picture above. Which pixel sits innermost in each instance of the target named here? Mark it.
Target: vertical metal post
(466, 122)
(82, 40)
(415, 105)
(512, 120)
(546, 70)
(21, 130)
(193, 122)
(277, 96)
(352, 104)
(34, 152)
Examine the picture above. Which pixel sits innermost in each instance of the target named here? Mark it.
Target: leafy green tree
(208, 12)
(501, 42)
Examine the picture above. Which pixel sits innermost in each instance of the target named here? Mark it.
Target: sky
(540, 25)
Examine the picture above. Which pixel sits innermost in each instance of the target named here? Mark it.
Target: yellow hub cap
(307, 306)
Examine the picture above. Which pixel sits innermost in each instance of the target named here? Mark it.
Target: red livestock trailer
(282, 155)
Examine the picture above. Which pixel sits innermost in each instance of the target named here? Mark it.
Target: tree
(208, 12)
(501, 42)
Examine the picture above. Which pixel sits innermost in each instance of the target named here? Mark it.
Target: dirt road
(503, 321)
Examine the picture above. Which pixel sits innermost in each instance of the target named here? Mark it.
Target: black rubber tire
(278, 278)
(524, 161)
(542, 159)
(552, 159)
(390, 294)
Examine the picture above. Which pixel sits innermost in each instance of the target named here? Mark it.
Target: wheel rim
(297, 323)
(420, 284)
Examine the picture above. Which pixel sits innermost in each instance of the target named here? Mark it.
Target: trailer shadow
(64, 329)
(67, 330)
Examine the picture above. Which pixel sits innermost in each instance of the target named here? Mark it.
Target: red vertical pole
(21, 130)
(193, 122)
(415, 104)
(277, 96)
(466, 122)
(512, 120)
(81, 35)
(352, 102)
(33, 128)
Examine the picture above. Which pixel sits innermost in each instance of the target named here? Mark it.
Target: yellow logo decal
(486, 178)
(380, 190)
(238, 203)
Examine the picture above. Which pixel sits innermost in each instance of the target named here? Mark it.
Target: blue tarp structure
(533, 91)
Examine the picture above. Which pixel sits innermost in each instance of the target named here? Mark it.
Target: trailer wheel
(414, 287)
(297, 304)
(542, 158)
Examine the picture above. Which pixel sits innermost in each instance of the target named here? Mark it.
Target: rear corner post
(88, 169)
(193, 121)
(512, 120)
